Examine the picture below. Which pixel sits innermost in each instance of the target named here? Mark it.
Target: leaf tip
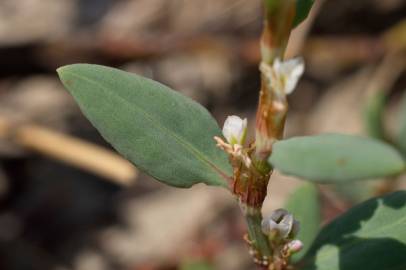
(62, 72)
(66, 73)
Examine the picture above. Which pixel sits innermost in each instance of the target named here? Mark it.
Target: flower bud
(281, 224)
(235, 129)
(294, 246)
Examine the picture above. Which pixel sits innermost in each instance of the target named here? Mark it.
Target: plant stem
(259, 240)
(250, 185)
(272, 107)
(279, 16)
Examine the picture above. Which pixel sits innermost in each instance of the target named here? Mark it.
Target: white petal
(286, 224)
(292, 70)
(286, 67)
(283, 75)
(234, 129)
(278, 66)
(267, 225)
(278, 214)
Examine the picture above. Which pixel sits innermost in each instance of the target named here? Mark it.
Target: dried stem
(70, 150)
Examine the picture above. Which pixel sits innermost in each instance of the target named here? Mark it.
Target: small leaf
(303, 8)
(401, 138)
(304, 204)
(332, 158)
(373, 115)
(164, 133)
(369, 236)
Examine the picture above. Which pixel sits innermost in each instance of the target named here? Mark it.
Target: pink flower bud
(295, 246)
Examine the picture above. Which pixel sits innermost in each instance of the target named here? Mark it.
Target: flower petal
(234, 129)
(292, 70)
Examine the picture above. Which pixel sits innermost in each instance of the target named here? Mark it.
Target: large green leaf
(164, 133)
(370, 236)
(332, 158)
(401, 138)
(304, 204)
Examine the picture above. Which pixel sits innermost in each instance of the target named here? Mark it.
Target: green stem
(259, 239)
(279, 16)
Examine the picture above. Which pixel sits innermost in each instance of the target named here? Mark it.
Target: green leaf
(304, 204)
(373, 115)
(358, 191)
(165, 134)
(332, 158)
(303, 8)
(401, 138)
(369, 236)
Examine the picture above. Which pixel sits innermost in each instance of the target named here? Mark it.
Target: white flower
(284, 75)
(282, 223)
(235, 129)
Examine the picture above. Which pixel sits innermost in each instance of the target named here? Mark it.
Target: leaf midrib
(184, 143)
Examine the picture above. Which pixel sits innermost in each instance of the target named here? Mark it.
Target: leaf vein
(186, 145)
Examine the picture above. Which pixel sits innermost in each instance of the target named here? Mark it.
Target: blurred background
(69, 202)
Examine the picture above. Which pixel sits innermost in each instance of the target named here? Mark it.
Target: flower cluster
(281, 229)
